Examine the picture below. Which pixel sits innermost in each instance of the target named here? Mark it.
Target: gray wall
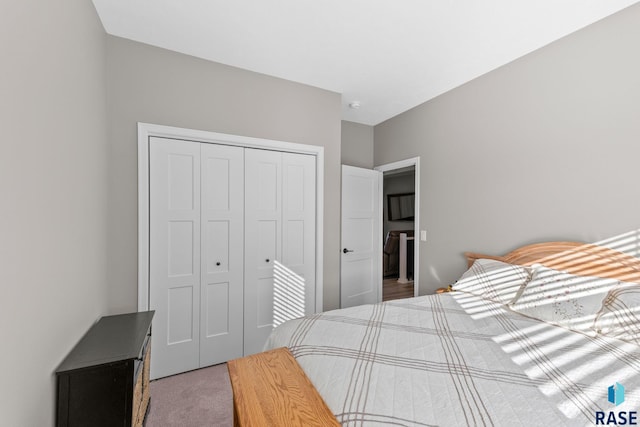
(357, 145)
(148, 84)
(544, 148)
(53, 183)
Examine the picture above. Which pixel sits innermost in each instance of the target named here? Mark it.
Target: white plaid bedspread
(457, 360)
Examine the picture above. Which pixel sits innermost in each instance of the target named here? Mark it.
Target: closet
(231, 249)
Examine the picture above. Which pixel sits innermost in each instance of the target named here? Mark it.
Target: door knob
(345, 250)
(218, 263)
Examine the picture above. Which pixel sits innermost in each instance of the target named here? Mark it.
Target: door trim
(148, 130)
(414, 161)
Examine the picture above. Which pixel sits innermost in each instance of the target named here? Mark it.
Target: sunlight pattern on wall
(288, 294)
(628, 243)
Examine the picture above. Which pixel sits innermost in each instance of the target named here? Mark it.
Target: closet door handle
(218, 263)
(267, 260)
(345, 250)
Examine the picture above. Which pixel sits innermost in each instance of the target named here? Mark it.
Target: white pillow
(620, 315)
(563, 299)
(493, 280)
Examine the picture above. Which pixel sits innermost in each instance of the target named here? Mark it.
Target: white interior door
(174, 255)
(263, 243)
(222, 272)
(361, 264)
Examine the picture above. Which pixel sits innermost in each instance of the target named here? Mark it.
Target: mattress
(456, 359)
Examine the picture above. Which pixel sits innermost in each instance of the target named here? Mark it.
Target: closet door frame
(148, 130)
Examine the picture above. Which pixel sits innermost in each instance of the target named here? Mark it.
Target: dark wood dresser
(104, 381)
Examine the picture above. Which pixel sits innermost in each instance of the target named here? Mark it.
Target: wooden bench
(271, 389)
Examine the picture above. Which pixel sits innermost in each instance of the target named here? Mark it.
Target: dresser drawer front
(96, 396)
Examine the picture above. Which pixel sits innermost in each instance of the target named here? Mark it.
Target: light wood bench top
(271, 389)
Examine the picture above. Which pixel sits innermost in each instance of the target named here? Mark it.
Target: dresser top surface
(111, 339)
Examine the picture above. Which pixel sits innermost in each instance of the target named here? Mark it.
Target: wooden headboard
(583, 259)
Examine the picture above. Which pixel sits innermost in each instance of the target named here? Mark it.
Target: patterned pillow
(493, 280)
(563, 299)
(620, 315)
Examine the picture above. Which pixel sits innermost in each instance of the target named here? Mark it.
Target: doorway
(400, 217)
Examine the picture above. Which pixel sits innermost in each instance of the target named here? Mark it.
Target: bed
(543, 336)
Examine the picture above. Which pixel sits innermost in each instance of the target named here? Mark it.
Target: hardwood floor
(391, 289)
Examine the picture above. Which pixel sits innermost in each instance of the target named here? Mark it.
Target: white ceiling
(390, 55)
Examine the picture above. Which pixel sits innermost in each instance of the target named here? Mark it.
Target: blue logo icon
(616, 394)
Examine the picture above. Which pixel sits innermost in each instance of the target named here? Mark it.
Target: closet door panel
(263, 241)
(294, 244)
(221, 337)
(174, 254)
(216, 297)
(298, 230)
(181, 241)
(266, 259)
(266, 246)
(218, 177)
(265, 315)
(216, 252)
(180, 315)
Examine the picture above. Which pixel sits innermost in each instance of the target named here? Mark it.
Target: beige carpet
(194, 399)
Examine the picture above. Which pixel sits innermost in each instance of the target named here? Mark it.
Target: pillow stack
(620, 314)
(493, 280)
(590, 305)
(563, 299)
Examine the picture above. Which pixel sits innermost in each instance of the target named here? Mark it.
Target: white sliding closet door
(174, 254)
(221, 297)
(279, 242)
